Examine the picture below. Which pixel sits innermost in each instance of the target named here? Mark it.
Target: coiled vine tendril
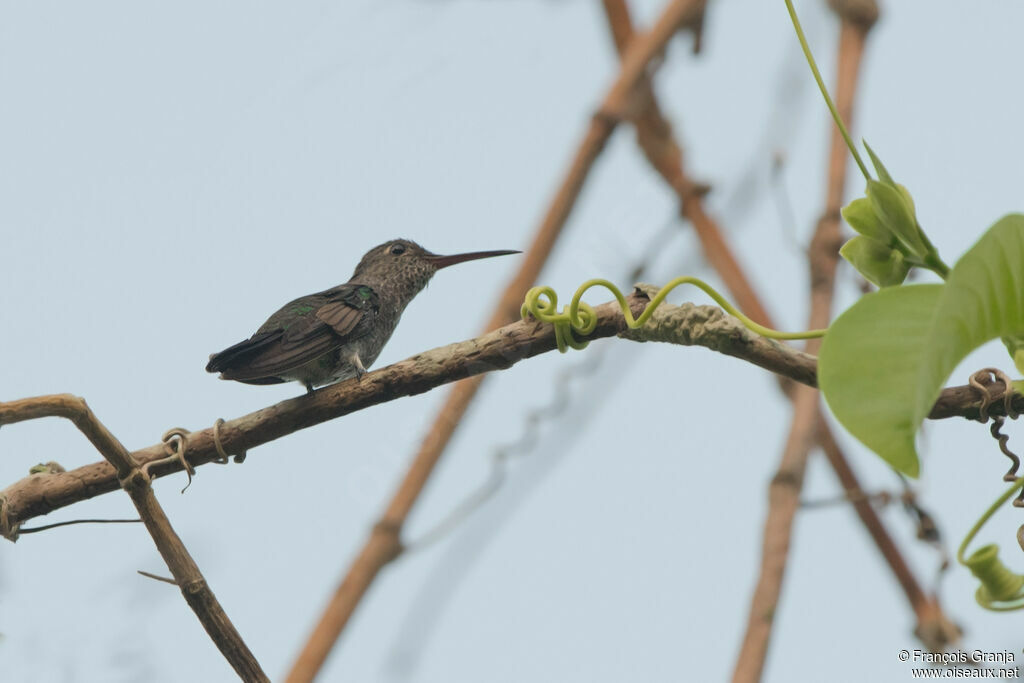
(579, 317)
(1001, 589)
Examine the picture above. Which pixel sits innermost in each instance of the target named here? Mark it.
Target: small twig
(882, 498)
(47, 527)
(157, 577)
(784, 205)
(927, 529)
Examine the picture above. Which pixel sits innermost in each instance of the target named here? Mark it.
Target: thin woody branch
(136, 483)
(41, 494)
(657, 141)
(686, 324)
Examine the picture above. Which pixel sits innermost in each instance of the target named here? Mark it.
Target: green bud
(860, 214)
(905, 193)
(880, 264)
(897, 215)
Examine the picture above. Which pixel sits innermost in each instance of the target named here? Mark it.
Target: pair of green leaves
(890, 241)
(884, 361)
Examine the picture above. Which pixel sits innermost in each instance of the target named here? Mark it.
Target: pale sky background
(170, 174)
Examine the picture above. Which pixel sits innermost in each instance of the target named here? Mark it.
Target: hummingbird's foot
(358, 365)
(309, 388)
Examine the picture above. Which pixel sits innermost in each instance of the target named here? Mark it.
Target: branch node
(787, 478)
(861, 13)
(391, 530)
(138, 478)
(609, 117)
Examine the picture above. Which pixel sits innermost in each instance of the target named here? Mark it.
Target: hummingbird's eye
(397, 249)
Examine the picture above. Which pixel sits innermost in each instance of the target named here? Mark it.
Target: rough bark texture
(40, 494)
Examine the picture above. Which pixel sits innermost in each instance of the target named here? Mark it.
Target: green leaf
(877, 262)
(983, 299)
(1015, 346)
(897, 215)
(884, 361)
(868, 369)
(883, 174)
(860, 214)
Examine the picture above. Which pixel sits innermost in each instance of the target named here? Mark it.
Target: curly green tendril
(1001, 589)
(578, 317)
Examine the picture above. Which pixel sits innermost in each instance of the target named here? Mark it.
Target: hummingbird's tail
(269, 357)
(234, 361)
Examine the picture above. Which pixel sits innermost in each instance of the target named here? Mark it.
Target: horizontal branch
(687, 324)
(41, 494)
(710, 327)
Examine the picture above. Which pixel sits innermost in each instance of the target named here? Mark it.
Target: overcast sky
(170, 174)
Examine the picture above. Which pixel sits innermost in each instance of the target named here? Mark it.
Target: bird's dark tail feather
(238, 354)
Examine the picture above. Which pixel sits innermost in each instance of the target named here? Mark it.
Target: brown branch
(785, 487)
(382, 546)
(934, 629)
(665, 154)
(136, 482)
(42, 493)
(39, 494)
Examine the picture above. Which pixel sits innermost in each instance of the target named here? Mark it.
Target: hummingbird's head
(408, 265)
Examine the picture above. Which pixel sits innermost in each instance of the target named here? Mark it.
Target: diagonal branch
(785, 487)
(657, 141)
(665, 154)
(136, 482)
(381, 546)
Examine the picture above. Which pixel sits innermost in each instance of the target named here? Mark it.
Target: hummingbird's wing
(300, 332)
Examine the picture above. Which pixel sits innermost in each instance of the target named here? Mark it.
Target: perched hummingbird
(335, 334)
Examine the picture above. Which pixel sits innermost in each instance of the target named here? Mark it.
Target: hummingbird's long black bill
(445, 261)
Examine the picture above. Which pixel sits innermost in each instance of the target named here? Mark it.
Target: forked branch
(135, 480)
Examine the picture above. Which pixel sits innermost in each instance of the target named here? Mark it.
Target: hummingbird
(336, 334)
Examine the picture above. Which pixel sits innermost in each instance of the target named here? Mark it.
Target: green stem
(824, 90)
(937, 265)
(932, 260)
(985, 517)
